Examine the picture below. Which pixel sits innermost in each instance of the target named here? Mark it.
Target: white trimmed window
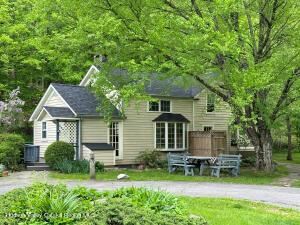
(44, 130)
(170, 135)
(160, 106)
(210, 102)
(114, 136)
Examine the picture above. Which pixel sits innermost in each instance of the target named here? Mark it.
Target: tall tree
(289, 137)
(246, 52)
(37, 47)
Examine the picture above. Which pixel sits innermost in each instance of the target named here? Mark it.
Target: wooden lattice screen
(207, 143)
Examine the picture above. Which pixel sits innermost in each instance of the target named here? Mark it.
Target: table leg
(202, 167)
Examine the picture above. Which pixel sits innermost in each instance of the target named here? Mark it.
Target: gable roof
(156, 84)
(87, 78)
(57, 112)
(80, 99)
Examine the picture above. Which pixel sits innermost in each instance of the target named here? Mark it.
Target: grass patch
(296, 183)
(240, 212)
(281, 157)
(248, 176)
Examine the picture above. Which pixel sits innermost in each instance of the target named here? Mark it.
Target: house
(69, 113)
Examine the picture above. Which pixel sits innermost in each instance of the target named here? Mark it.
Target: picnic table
(202, 161)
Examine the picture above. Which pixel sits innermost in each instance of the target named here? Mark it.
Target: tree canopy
(246, 52)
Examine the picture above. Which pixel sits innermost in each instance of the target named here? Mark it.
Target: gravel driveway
(282, 196)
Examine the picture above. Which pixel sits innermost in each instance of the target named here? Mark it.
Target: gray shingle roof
(171, 117)
(168, 88)
(59, 112)
(84, 103)
(80, 99)
(99, 146)
(157, 84)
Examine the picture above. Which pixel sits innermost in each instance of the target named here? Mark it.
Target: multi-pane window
(160, 106)
(170, 135)
(210, 106)
(165, 106)
(154, 106)
(114, 138)
(44, 130)
(179, 135)
(160, 135)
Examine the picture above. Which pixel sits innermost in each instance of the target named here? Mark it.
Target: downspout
(193, 117)
(80, 139)
(57, 130)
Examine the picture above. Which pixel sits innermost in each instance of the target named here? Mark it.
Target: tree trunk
(289, 137)
(261, 139)
(264, 153)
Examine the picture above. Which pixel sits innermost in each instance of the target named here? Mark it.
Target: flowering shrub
(11, 111)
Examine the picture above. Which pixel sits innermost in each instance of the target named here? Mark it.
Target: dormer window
(160, 106)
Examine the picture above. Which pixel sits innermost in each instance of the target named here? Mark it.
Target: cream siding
(94, 131)
(51, 133)
(138, 127)
(107, 157)
(219, 119)
(55, 101)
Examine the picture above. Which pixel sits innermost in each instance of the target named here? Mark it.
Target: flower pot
(5, 173)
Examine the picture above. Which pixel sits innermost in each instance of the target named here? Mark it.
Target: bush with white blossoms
(11, 111)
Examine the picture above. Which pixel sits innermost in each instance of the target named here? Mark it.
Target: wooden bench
(230, 162)
(180, 160)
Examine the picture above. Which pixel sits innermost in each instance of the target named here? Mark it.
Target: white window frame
(207, 94)
(120, 156)
(159, 106)
(44, 130)
(184, 127)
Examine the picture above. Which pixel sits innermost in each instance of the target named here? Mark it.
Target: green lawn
(247, 176)
(296, 183)
(239, 212)
(281, 157)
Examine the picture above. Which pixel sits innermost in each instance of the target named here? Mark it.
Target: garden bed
(59, 205)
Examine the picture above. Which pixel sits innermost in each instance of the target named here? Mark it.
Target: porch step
(38, 166)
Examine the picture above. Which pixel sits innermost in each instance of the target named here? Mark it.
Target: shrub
(120, 212)
(151, 159)
(99, 166)
(57, 152)
(248, 161)
(72, 166)
(156, 200)
(11, 147)
(55, 204)
(77, 166)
